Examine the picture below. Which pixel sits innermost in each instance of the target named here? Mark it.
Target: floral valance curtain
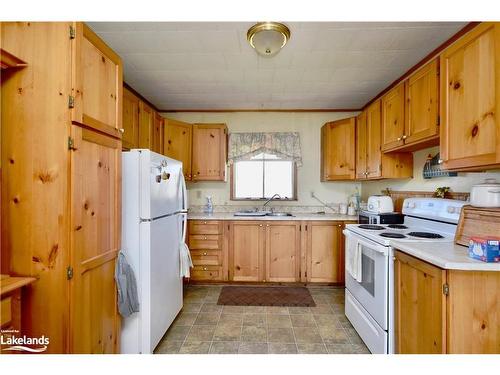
(285, 145)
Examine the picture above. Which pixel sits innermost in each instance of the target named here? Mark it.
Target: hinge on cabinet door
(69, 272)
(439, 121)
(305, 274)
(446, 289)
(71, 144)
(72, 32)
(71, 101)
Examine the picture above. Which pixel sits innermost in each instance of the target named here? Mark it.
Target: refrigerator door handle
(184, 193)
(184, 226)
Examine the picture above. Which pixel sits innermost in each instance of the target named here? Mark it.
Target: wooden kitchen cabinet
(393, 105)
(63, 225)
(146, 126)
(158, 134)
(130, 137)
(282, 251)
(209, 152)
(178, 144)
(324, 252)
(470, 100)
(445, 311)
(338, 155)
(372, 163)
(246, 250)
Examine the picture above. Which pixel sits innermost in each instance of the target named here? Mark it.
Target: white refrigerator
(154, 219)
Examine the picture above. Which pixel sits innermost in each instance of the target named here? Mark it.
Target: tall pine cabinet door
(373, 140)
(246, 251)
(282, 251)
(130, 137)
(470, 100)
(361, 139)
(324, 252)
(146, 126)
(338, 150)
(209, 152)
(97, 83)
(393, 106)
(177, 143)
(158, 134)
(95, 241)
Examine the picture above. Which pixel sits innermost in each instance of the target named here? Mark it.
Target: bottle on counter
(209, 207)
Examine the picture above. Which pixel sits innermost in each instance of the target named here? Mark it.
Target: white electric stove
(369, 304)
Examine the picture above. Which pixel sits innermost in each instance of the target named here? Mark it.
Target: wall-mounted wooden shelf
(8, 60)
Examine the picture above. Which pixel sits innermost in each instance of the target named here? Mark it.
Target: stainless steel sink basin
(279, 214)
(250, 213)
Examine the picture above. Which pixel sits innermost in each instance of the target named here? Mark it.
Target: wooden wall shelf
(8, 60)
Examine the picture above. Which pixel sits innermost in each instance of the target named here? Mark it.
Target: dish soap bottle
(209, 207)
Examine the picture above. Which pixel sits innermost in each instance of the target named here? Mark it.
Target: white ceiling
(325, 65)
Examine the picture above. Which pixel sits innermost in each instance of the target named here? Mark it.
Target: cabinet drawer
(6, 311)
(206, 273)
(205, 227)
(206, 257)
(204, 242)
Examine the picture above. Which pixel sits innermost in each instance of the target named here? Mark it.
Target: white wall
(308, 124)
(461, 183)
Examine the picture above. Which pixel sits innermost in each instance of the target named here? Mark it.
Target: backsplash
(297, 209)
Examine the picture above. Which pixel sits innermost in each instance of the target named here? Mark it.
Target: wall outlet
(312, 194)
(198, 194)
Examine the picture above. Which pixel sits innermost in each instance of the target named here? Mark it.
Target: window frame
(294, 188)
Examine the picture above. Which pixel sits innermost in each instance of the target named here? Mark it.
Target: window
(263, 176)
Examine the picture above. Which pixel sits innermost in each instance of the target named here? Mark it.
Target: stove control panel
(447, 210)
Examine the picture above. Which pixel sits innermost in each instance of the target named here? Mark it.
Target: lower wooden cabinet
(282, 251)
(445, 311)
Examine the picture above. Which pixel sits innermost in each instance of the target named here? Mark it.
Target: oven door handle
(371, 245)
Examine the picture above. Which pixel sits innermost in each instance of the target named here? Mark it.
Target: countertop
(445, 255)
(296, 216)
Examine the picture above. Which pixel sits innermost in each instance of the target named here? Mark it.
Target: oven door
(373, 290)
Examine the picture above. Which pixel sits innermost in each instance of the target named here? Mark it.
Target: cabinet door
(420, 306)
(393, 118)
(470, 103)
(130, 137)
(246, 251)
(361, 143)
(373, 140)
(146, 126)
(324, 252)
(421, 112)
(158, 134)
(209, 152)
(338, 150)
(98, 84)
(95, 241)
(178, 142)
(282, 251)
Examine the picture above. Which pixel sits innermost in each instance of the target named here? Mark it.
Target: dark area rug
(265, 296)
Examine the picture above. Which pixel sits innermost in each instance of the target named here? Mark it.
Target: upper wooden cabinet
(209, 152)
(372, 163)
(470, 100)
(177, 144)
(157, 145)
(146, 126)
(97, 86)
(338, 143)
(393, 126)
(130, 138)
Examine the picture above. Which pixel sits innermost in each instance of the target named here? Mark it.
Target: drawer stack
(205, 244)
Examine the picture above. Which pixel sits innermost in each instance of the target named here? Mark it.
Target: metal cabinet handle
(204, 222)
(399, 138)
(204, 253)
(260, 225)
(205, 268)
(121, 130)
(404, 137)
(205, 237)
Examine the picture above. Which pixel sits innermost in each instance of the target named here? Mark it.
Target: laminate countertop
(296, 216)
(448, 256)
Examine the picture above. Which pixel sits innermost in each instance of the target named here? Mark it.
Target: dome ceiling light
(268, 38)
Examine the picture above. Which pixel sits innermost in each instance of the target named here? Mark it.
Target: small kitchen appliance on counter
(380, 204)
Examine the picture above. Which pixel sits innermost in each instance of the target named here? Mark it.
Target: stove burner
(371, 227)
(392, 235)
(425, 235)
(397, 226)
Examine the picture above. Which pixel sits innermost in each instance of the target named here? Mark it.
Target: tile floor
(204, 327)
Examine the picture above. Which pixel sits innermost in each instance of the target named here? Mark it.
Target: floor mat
(265, 296)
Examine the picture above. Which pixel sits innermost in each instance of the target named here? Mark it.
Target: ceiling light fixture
(268, 38)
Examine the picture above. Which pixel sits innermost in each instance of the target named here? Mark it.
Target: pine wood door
(209, 152)
(470, 100)
(130, 137)
(393, 106)
(361, 143)
(421, 105)
(158, 134)
(178, 143)
(373, 140)
(146, 126)
(97, 83)
(420, 306)
(246, 251)
(324, 252)
(338, 143)
(95, 241)
(282, 251)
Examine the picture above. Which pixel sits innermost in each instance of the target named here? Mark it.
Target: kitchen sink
(279, 214)
(251, 213)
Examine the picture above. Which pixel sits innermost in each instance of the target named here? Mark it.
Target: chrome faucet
(270, 199)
